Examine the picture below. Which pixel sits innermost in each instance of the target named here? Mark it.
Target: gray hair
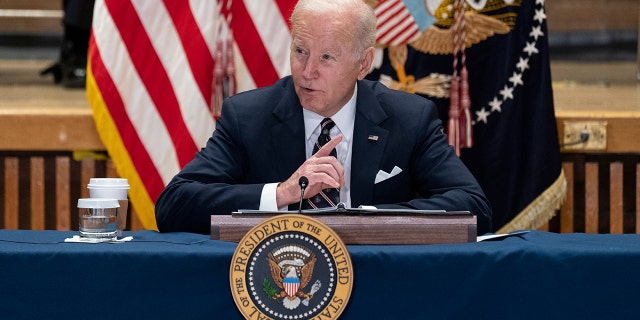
(364, 24)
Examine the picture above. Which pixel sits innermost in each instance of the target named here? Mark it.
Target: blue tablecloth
(538, 275)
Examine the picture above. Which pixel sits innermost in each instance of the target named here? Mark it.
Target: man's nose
(310, 68)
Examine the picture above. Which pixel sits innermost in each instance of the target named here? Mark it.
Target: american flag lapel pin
(373, 138)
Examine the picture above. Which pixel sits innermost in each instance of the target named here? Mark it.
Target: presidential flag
(514, 152)
(157, 74)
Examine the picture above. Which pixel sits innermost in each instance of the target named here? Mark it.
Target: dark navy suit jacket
(260, 139)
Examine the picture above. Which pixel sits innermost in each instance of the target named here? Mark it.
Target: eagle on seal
(291, 277)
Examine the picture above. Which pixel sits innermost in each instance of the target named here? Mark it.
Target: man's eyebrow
(334, 52)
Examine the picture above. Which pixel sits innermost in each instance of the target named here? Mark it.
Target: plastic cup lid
(108, 183)
(98, 203)
(91, 186)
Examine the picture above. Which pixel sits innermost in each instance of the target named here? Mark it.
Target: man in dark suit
(391, 149)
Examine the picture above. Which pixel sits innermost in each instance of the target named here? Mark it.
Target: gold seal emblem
(291, 267)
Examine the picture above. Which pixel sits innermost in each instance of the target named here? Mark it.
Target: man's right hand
(321, 169)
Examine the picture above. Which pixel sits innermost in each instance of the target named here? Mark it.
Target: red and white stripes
(151, 78)
(396, 25)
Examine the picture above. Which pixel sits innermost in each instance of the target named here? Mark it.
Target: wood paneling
(591, 15)
(567, 209)
(36, 186)
(622, 130)
(48, 130)
(603, 194)
(11, 193)
(591, 198)
(41, 189)
(638, 198)
(616, 185)
(63, 188)
(34, 16)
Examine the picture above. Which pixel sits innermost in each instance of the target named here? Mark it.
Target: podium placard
(381, 228)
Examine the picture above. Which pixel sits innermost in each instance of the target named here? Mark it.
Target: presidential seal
(291, 267)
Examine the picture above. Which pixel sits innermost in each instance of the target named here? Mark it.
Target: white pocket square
(382, 176)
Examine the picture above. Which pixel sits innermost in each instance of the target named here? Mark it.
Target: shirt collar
(344, 118)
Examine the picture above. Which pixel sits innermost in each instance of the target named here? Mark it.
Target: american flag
(400, 21)
(152, 78)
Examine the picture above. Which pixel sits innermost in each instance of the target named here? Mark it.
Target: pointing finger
(326, 149)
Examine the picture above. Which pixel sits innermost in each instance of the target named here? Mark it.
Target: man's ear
(365, 62)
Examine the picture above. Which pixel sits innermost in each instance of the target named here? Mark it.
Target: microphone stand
(303, 182)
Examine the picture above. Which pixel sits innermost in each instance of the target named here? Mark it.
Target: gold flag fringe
(541, 210)
(459, 128)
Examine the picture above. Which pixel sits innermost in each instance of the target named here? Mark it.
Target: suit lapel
(287, 134)
(369, 141)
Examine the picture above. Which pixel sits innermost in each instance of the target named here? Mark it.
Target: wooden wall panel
(591, 15)
(63, 188)
(638, 198)
(40, 190)
(88, 171)
(11, 194)
(37, 193)
(616, 217)
(591, 198)
(567, 209)
(603, 194)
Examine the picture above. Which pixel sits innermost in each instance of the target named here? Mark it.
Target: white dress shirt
(344, 120)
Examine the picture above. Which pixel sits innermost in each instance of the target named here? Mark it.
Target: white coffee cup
(112, 188)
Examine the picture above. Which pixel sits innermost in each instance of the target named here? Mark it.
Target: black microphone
(303, 182)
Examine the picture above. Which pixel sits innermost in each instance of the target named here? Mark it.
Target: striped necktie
(331, 196)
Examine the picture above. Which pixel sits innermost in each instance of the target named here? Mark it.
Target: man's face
(324, 65)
